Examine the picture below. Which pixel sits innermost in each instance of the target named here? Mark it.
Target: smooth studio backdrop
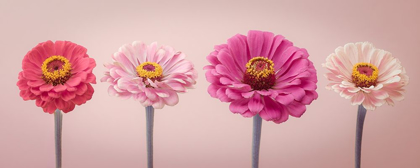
(201, 132)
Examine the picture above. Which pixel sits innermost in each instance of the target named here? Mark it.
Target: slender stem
(58, 122)
(149, 134)
(256, 138)
(361, 113)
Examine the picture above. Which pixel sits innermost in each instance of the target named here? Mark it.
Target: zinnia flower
(153, 76)
(57, 75)
(262, 74)
(366, 75)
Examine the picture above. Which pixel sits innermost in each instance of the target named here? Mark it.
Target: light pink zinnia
(262, 74)
(151, 75)
(57, 75)
(366, 75)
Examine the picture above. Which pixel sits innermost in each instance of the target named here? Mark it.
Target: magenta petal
(297, 93)
(285, 99)
(259, 43)
(226, 59)
(233, 94)
(309, 97)
(249, 114)
(296, 109)
(278, 40)
(221, 94)
(272, 110)
(255, 105)
(238, 46)
(248, 94)
(225, 81)
(239, 106)
(212, 90)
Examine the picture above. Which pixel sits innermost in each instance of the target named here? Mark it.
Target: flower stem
(58, 122)
(149, 134)
(256, 138)
(361, 113)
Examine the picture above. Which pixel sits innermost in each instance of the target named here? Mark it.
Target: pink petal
(232, 94)
(212, 90)
(296, 109)
(67, 96)
(238, 47)
(248, 94)
(53, 94)
(172, 99)
(36, 83)
(221, 94)
(59, 88)
(278, 40)
(239, 106)
(255, 104)
(272, 111)
(285, 99)
(22, 84)
(81, 89)
(358, 98)
(74, 81)
(226, 59)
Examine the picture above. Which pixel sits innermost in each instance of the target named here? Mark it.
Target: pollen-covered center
(364, 75)
(260, 73)
(149, 70)
(56, 70)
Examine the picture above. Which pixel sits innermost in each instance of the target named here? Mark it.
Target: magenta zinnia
(367, 76)
(57, 75)
(262, 74)
(151, 75)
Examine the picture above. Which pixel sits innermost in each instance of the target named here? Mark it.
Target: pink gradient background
(200, 132)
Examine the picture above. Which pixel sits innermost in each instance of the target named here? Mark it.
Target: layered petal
(65, 95)
(177, 74)
(292, 82)
(388, 86)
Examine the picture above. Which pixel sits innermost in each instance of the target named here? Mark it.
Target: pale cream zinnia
(366, 75)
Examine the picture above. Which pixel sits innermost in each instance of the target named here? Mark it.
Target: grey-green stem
(256, 138)
(149, 134)
(58, 123)
(361, 113)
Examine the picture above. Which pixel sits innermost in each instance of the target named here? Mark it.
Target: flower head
(153, 76)
(58, 75)
(262, 74)
(366, 75)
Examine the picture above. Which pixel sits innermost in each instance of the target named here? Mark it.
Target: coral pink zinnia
(57, 75)
(262, 74)
(366, 75)
(151, 75)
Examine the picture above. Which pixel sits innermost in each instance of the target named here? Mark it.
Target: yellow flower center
(149, 70)
(56, 70)
(260, 67)
(260, 73)
(365, 74)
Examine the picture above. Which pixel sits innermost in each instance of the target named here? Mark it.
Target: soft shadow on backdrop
(200, 131)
